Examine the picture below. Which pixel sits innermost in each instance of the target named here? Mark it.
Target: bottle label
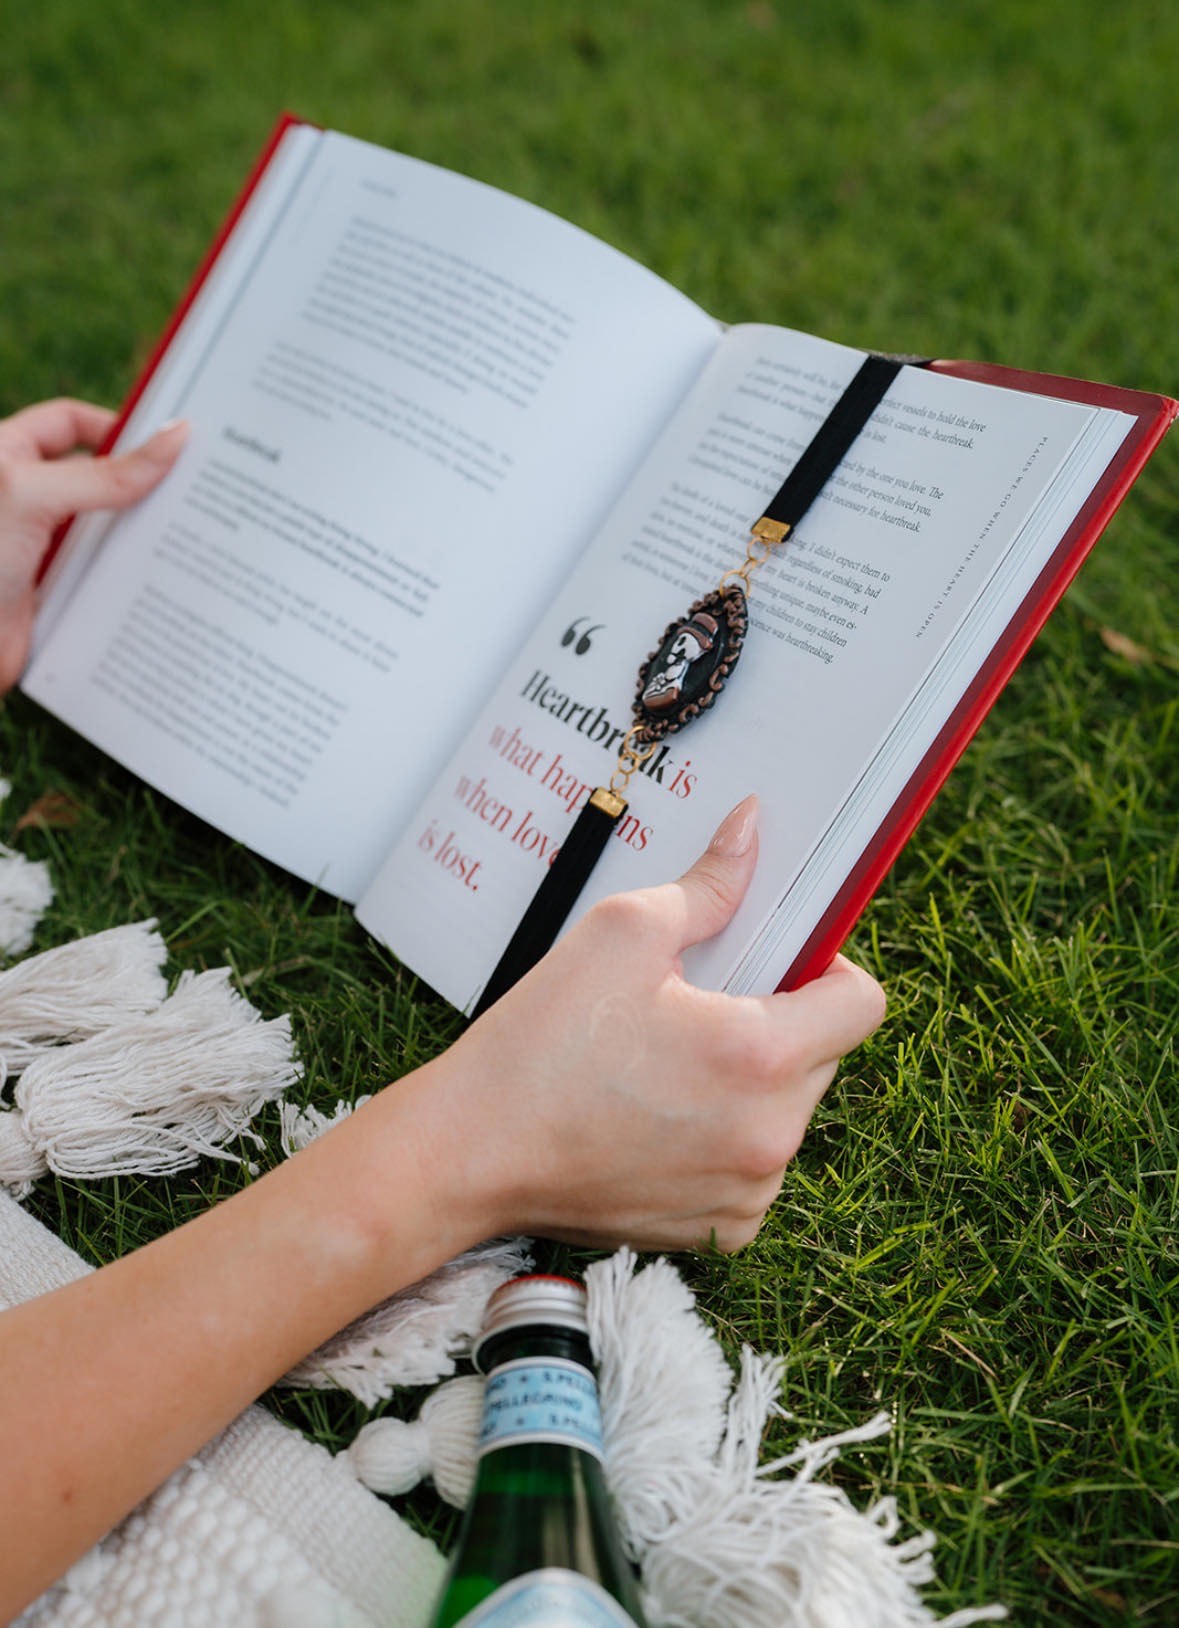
(552, 1598)
(541, 1399)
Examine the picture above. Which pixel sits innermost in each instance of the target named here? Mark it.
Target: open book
(455, 465)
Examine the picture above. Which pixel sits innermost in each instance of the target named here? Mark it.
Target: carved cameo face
(683, 662)
(691, 662)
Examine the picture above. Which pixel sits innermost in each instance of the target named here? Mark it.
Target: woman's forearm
(136, 1367)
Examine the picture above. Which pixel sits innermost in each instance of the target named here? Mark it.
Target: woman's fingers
(53, 489)
(709, 893)
(835, 1011)
(52, 428)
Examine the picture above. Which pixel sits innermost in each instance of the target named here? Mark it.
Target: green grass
(980, 1231)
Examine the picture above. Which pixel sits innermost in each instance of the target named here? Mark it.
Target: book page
(950, 485)
(413, 401)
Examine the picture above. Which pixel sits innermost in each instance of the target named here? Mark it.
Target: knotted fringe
(151, 1094)
(26, 893)
(417, 1336)
(78, 990)
(392, 1456)
(722, 1541)
(299, 1127)
(115, 1079)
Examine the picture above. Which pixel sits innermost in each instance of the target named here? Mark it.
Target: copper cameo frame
(690, 665)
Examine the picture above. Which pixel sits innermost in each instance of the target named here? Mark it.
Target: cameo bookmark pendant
(684, 674)
(689, 666)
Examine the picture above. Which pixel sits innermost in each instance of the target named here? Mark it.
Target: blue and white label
(552, 1598)
(541, 1399)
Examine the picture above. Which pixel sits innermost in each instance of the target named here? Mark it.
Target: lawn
(980, 1231)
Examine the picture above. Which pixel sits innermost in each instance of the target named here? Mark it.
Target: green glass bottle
(539, 1546)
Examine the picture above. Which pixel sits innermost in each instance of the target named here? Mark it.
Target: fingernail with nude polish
(734, 835)
(163, 441)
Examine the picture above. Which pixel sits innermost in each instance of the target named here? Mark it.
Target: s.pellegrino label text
(541, 1399)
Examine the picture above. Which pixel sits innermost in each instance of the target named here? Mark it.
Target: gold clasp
(764, 537)
(770, 532)
(630, 758)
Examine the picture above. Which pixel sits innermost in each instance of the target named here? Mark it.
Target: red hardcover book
(454, 465)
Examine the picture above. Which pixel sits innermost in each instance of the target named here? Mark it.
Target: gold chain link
(757, 551)
(629, 759)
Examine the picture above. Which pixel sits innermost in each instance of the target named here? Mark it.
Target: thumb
(715, 885)
(58, 488)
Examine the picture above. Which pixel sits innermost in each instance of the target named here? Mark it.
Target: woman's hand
(40, 487)
(605, 1100)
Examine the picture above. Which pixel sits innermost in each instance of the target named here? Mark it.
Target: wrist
(419, 1191)
(466, 1143)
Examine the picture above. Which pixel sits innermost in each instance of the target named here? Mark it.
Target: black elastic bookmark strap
(832, 439)
(570, 871)
(554, 899)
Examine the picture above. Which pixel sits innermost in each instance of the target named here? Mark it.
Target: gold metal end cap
(608, 801)
(771, 531)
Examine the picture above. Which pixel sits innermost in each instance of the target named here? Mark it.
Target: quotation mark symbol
(583, 639)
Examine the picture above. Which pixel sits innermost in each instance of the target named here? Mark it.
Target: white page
(407, 421)
(846, 622)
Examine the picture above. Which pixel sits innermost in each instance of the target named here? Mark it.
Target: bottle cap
(537, 1299)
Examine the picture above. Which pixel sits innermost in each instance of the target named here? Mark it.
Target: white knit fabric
(263, 1529)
